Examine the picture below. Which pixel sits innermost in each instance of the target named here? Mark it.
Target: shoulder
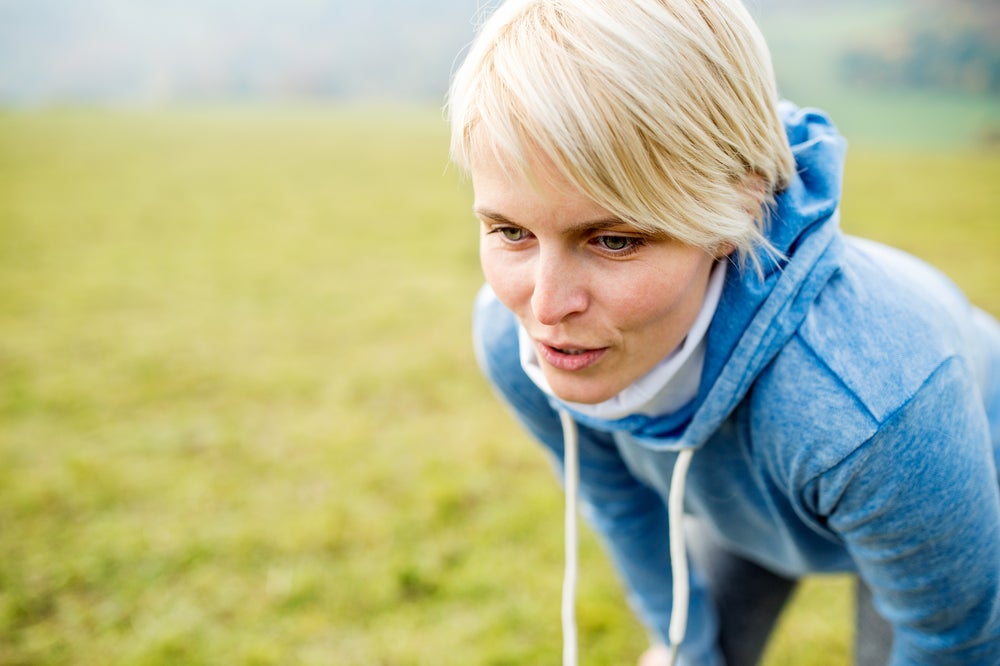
(880, 328)
(883, 324)
(494, 333)
(877, 336)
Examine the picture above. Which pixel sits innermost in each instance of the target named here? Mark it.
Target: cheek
(503, 276)
(663, 302)
(641, 309)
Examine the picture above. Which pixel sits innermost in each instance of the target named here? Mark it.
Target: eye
(618, 245)
(510, 234)
(615, 243)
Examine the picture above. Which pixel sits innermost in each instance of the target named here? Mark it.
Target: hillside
(811, 43)
(848, 56)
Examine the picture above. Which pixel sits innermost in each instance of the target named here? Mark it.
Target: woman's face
(603, 302)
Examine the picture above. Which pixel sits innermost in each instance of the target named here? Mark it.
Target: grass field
(240, 421)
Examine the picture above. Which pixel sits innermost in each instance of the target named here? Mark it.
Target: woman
(719, 371)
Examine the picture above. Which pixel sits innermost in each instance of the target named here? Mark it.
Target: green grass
(240, 420)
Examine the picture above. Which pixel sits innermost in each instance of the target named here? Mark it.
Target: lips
(570, 359)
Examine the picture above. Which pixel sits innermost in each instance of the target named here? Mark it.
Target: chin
(583, 393)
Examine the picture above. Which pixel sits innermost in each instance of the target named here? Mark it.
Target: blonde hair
(664, 112)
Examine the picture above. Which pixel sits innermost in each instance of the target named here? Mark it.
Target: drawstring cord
(678, 554)
(678, 550)
(571, 474)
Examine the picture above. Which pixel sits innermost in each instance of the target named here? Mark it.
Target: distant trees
(945, 45)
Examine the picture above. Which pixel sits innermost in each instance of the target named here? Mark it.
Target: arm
(919, 510)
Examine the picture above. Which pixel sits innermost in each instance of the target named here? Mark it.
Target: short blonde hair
(664, 112)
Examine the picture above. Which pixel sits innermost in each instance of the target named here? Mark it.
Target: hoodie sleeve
(918, 508)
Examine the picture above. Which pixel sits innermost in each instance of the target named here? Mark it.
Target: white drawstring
(678, 550)
(571, 475)
(678, 554)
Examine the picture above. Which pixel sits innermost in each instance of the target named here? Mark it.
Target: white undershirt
(664, 389)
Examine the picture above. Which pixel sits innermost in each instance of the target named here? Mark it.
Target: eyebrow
(590, 225)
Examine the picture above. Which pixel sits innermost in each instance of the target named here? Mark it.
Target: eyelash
(632, 243)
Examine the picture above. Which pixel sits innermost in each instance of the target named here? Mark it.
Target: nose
(560, 289)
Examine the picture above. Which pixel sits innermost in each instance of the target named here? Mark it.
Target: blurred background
(925, 70)
(240, 417)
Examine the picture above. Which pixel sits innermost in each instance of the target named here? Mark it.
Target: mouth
(570, 352)
(571, 359)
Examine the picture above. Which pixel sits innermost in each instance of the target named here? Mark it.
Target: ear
(756, 190)
(724, 250)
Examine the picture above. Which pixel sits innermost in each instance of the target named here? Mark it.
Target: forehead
(533, 193)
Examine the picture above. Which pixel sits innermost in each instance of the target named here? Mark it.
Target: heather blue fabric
(848, 420)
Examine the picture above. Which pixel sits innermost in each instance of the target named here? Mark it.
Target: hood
(757, 314)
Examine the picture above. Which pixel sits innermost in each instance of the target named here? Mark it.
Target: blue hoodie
(847, 420)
